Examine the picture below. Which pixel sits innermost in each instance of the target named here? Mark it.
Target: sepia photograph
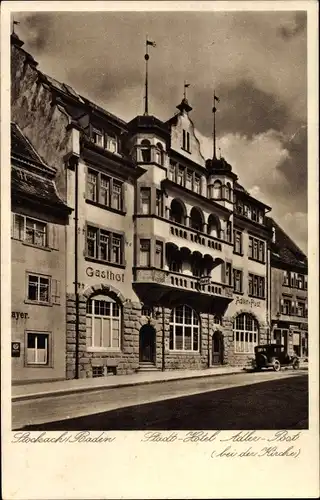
(159, 224)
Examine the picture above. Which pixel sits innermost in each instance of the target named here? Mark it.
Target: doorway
(217, 348)
(147, 340)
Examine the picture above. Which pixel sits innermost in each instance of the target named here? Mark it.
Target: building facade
(167, 255)
(289, 285)
(39, 219)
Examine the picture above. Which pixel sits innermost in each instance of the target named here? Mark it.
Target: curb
(61, 392)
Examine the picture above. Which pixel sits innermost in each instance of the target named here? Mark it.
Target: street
(243, 401)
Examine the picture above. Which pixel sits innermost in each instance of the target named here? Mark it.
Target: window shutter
(124, 196)
(293, 279)
(53, 236)
(306, 282)
(17, 226)
(293, 307)
(55, 291)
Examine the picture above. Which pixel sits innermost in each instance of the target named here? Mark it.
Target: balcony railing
(178, 280)
(195, 237)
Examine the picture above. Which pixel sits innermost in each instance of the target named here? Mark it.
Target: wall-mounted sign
(247, 302)
(108, 275)
(19, 315)
(205, 280)
(15, 349)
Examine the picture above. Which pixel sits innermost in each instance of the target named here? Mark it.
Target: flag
(16, 22)
(216, 98)
(186, 85)
(153, 44)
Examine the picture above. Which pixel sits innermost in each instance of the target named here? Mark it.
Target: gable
(187, 145)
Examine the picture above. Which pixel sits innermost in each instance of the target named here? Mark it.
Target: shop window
(104, 190)
(237, 242)
(103, 323)
(145, 200)
(184, 329)
(37, 352)
(104, 245)
(237, 280)
(245, 333)
(30, 230)
(144, 253)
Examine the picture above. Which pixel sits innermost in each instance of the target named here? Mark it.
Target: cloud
(294, 26)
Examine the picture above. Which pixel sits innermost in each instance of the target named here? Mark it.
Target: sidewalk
(45, 389)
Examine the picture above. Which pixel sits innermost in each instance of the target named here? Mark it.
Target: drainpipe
(208, 340)
(163, 339)
(76, 277)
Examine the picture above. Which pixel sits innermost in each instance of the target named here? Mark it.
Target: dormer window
(146, 151)
(111, 143)
(97, 137)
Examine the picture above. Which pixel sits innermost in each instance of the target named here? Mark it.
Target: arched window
(228, 191)
(217, 190)
(184, 329)
(146, 151)
(103, 323)
(213, 228)
(159, 153)
(245, 332)
(196, 219)
(177, 212)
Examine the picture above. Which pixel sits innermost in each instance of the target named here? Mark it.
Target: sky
(256, 62)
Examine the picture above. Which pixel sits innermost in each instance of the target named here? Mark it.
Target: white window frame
(245, 346)
(92, 315)
(195, 328)
(35, 350)
(38, 288)
(20, 226)
(115, 242)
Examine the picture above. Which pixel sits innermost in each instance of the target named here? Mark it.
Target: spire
(214, 110)
(184, 105)
(14, 37)
(146, 58)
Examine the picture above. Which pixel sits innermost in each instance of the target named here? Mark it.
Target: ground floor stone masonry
(216, 344)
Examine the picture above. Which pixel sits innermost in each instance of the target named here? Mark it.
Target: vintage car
(274, 356)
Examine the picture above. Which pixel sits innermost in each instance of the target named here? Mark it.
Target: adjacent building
(38, 238)
(167, 255)
(289, 298)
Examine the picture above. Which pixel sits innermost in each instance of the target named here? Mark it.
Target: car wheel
(276, 365)
(296, 364)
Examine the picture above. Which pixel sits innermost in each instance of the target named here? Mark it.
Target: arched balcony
(183, 260)
(196, 219)
(178, 212)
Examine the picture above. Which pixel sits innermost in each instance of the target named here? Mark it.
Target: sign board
(205, 280)
(15, 349)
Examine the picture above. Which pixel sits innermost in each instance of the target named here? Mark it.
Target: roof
(283, 249)
(31, 178)
(238, 187)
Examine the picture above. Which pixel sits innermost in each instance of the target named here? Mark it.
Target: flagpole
(214, 109)
(146, 57)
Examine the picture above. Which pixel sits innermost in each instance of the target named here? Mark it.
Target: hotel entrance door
(217, 348)
(147, 338)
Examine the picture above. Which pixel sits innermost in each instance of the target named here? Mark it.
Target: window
(159, 154)
(285, 307)
(145, 197)
(229, 231)
(300, 281)
(97, 371)
(146, 151)
(177, 212)
(228, 191)
(186, 140)
(175, 266)
(301, 309)
(245, 331)
(38, 288)
(286, 278)
(184, 329)
(172, 171)
(111, 142)
(104, 190)
(189, 179)
(145, 253)
(37, 352)
(103, 323)
(159, 255)
(254, 214)
(180, 176)
(237, 280)
(104, 245)
(30, 230)
(197, 184)
(256, 286)
(97, 137)
(217, 190)
(256, 249)
(228, 273)
(213, 226)
(159, 203)
(260, 217)
(196, 219)
(237, 242)
(247, 211)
